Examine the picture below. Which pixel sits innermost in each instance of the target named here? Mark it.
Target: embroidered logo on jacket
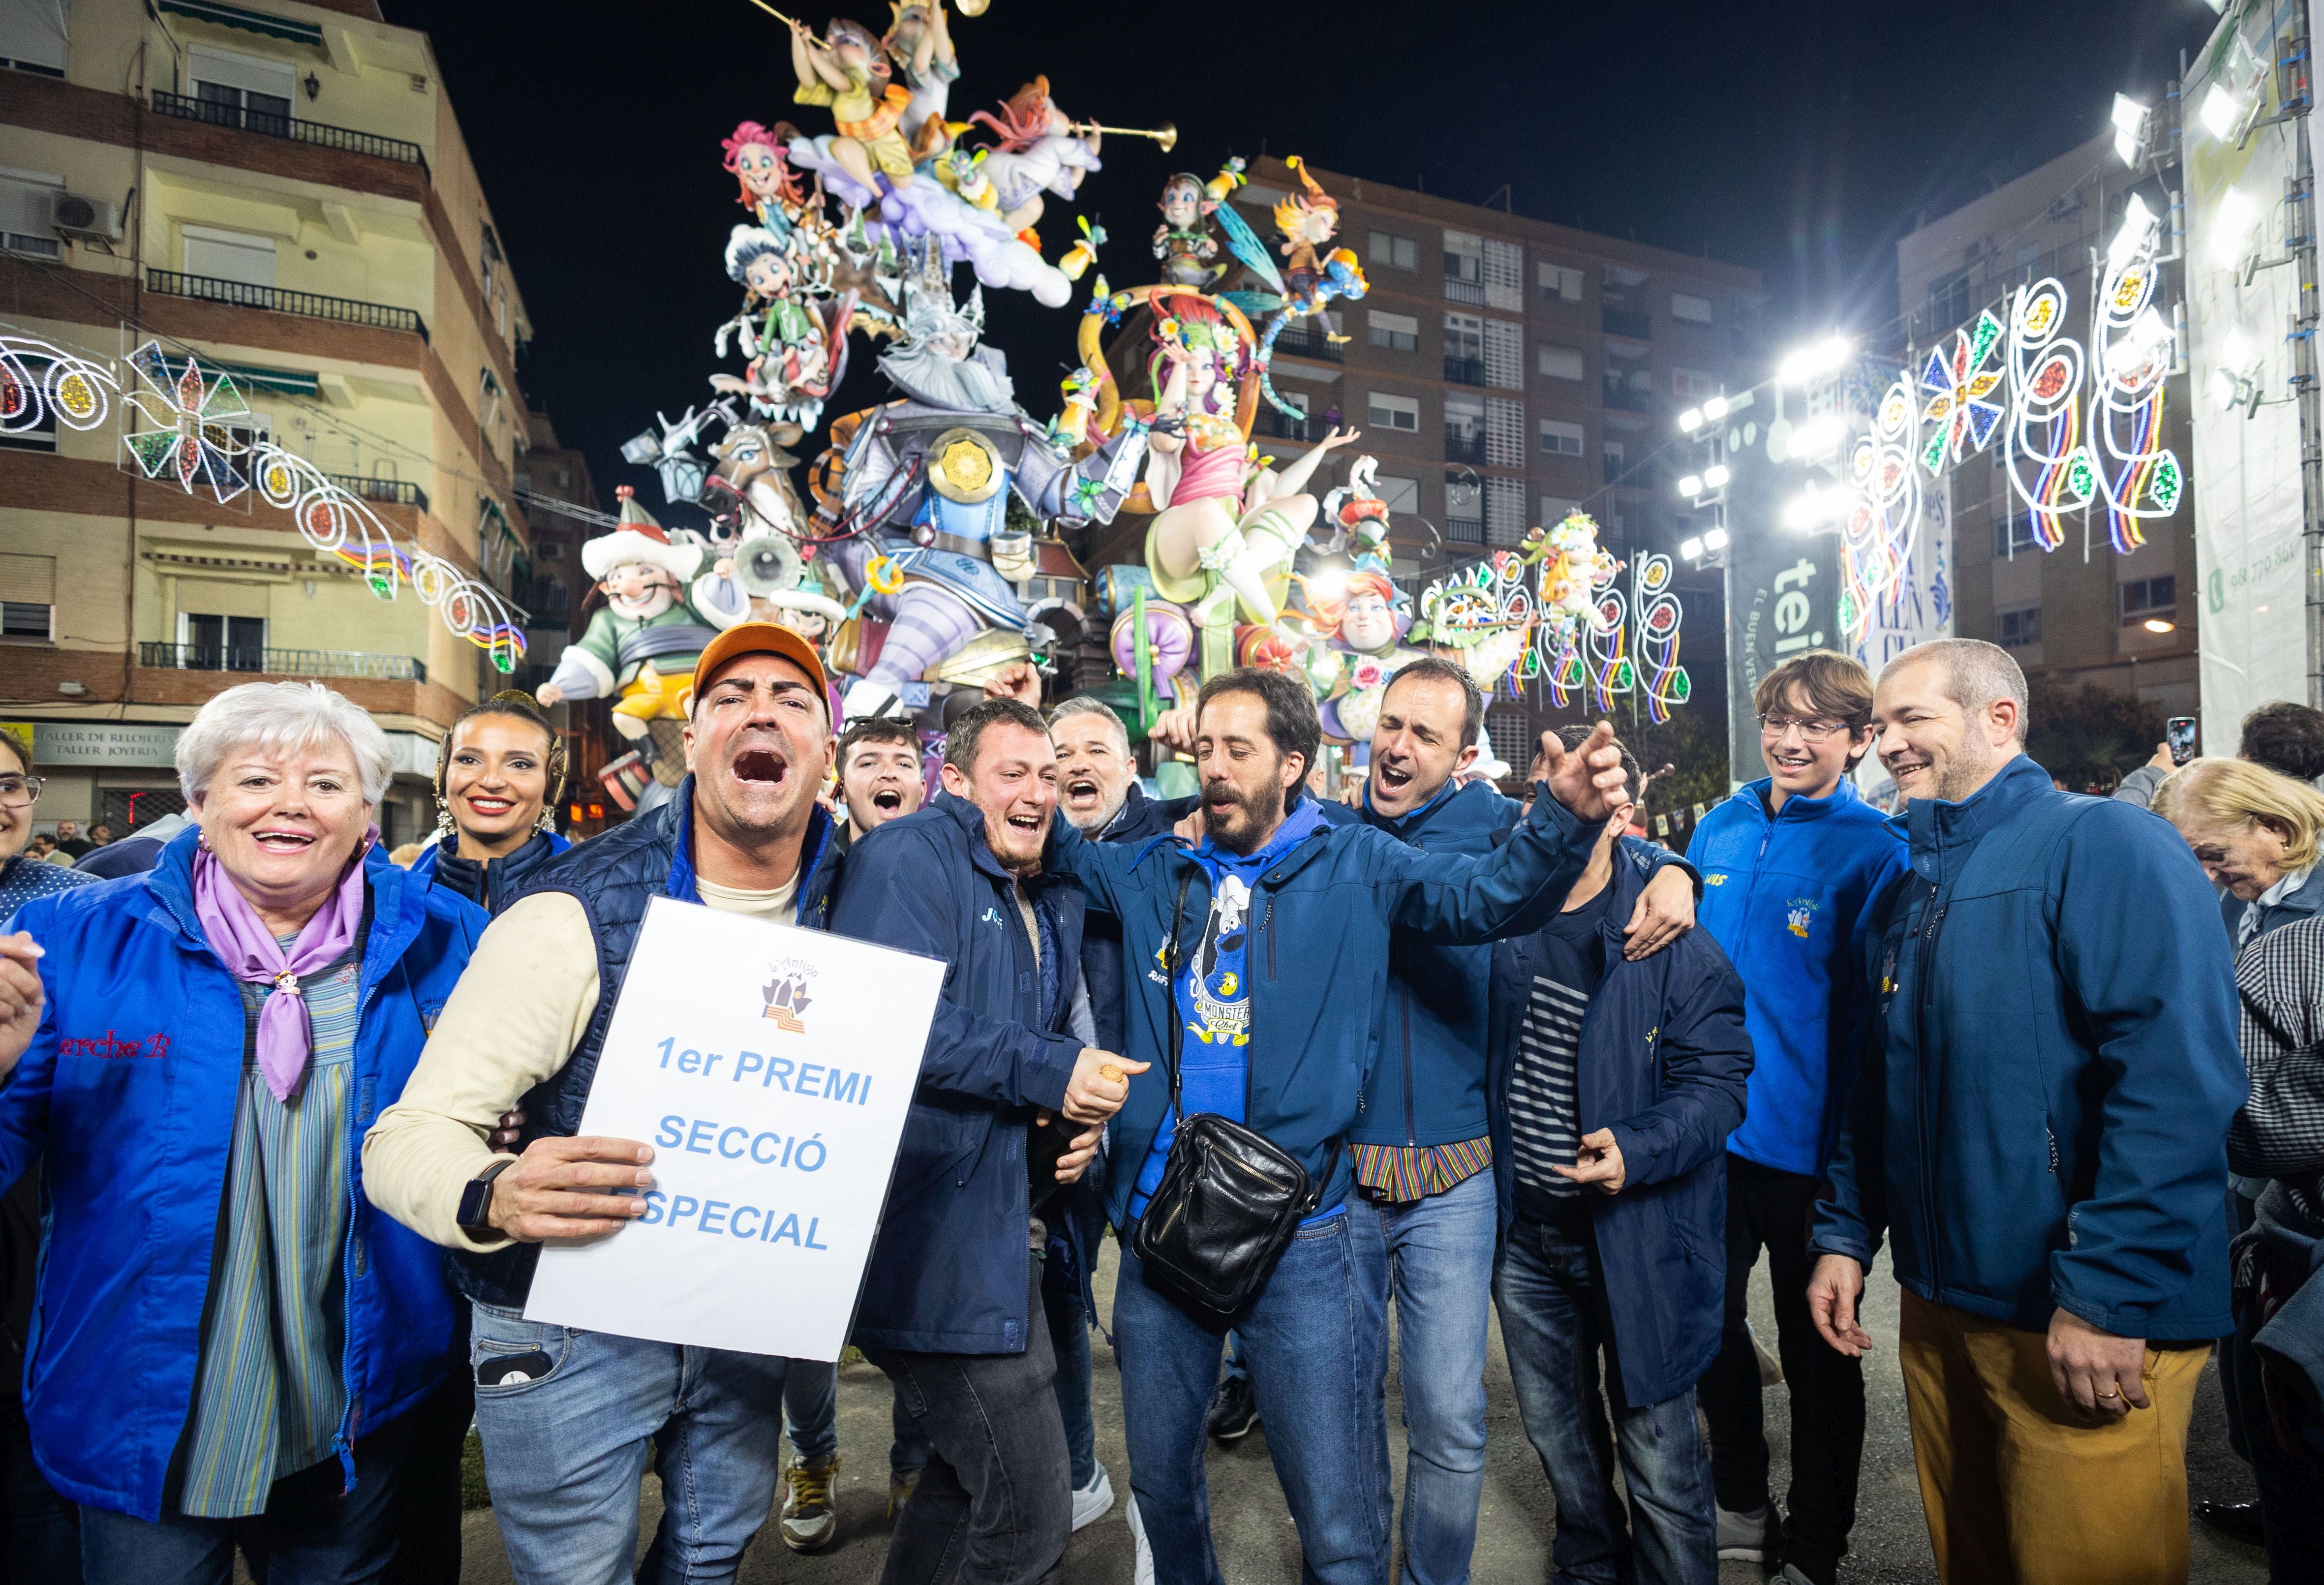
(1801, 916)
(111, 1045)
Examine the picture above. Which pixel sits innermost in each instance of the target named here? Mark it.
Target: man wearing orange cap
(567, 1416)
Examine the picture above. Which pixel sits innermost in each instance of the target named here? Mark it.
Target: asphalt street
(1255, 1542)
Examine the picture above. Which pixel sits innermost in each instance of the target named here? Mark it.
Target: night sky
(1801, 139)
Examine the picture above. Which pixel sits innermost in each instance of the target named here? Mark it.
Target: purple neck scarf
(251, 954)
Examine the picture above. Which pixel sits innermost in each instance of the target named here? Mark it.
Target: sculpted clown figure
(853, 75)
(1366, 626)
(758, 157)
(1308, 220)
(782, 335)
(1185, 242)
(642, 644)
(1038, 151)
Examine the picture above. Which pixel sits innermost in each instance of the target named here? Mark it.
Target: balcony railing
(391, 492)
(1463, 447)
(269, 125)
(1457, 290)
(1310, 344)
(1464, 371)
(1284, 427)
(282, 662)
(1628, 400)
(1625, 322)
(274, 299)
(1464, 531)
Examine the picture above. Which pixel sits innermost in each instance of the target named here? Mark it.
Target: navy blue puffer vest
(614, 877)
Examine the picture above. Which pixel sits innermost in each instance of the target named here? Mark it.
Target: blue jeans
(1315, 1342)
(564, 1453)
(1440, 1256)
(309, 1534)
(1234, 1370)
(1061, 1303)
(1554, 1325)
(811, 1408)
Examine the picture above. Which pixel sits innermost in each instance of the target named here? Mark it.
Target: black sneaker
(1235, 1410)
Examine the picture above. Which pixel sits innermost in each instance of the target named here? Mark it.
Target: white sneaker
(1747, 1537)
(1095, 1501)
(1144, 1574)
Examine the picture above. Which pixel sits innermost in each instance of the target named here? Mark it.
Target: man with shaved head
(2050, 1064)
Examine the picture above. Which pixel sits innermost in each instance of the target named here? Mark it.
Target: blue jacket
(500, 882)
(2040, 1117)
(1319, 964)
(1663, 1241)
(128, 1095)
(1139, 818)
(948, 1274)
(2306, 898)
(1782, 895)
(1429, 1086)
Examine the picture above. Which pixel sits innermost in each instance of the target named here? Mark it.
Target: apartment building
(1504, 370)
(2083, 612)
(278, 190)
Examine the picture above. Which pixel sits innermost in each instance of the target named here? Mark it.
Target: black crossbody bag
(1229, 1200)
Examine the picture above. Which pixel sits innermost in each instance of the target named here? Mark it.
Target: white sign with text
(771, 1069)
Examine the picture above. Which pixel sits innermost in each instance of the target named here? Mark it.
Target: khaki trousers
(2020, 1486)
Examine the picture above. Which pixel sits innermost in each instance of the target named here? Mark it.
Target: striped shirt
(270, 1395)
(1402, 1172)
(1544, 1098)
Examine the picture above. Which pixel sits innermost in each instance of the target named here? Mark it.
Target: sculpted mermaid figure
(1225, 524)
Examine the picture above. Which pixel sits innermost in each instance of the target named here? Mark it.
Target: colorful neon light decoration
(1958, 386)
(1875, 541)
(192, 428)
(1656, 616)
(2048, 466)
(2138, 479)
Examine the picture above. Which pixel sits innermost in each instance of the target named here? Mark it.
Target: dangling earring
(547, 819)
(202, 839)
(445, 830)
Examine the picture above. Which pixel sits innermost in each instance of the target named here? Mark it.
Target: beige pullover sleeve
(519, 1010)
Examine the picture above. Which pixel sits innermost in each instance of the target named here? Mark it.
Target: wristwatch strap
(477, 1199)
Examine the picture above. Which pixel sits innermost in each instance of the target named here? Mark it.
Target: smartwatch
(476, 1215)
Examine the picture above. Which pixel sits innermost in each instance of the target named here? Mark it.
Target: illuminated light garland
(1875, 541)
(1655, 615)
(2134, 348)
(2046, 369)
(181, 425)
(1958, 387)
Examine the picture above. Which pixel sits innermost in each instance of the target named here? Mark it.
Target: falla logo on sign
(786, 994)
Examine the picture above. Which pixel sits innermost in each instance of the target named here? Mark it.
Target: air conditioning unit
(85, 219)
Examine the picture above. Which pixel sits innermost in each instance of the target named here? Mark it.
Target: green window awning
(249, 377)
(249, 21)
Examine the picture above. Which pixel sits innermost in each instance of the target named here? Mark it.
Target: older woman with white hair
(229, 1334)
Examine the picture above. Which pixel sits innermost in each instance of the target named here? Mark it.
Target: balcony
(1303, 343)
(1624, 399)
(268, 125)
(1463, 446)
(1464, 371)
(1457, 290)
(307, 305)
(1464, 531)
(388, 491)
(1284, 427)
(342, 663)
(1624, 322)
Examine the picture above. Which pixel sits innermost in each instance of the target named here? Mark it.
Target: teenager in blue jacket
(1262, 959)
(2040, 1129)
(230, 1333)
(1788, 865)
(1615, 1084)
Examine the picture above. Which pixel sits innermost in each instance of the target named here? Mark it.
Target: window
(1554, 509)
(1464, 268)
(1464, 337)
(1505, 275)
(25, 203)
(1613, 461)
(1948, 302)
(2019, 628)
(1505, 354)
(32, 36)
(1560, 439)
(1384, 411)
(1396, 332)
(28, 593)
(1559, 362)
(1388, 249)
(1504, 432)
(1464, 428)
(2012, 535)
(2149, 598)
(1695, 310)
(1402, 495)
(242, 90)
(1693, 382)
(229, 256)
(1557, 282)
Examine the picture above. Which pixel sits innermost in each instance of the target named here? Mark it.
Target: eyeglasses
(18, 791)
(1775, 727)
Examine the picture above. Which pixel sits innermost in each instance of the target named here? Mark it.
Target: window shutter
(1504, 432)
(1505, 354)
(28, 580)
